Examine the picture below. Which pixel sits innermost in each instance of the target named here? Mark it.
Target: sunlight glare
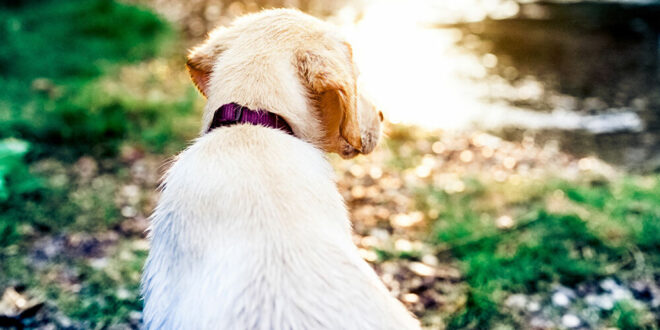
(416, 73)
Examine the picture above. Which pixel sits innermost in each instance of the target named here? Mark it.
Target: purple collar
(232, 113)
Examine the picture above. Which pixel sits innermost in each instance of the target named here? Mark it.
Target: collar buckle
(238, 114)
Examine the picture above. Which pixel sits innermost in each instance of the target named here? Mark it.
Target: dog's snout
(348, 151)
(370, 122)
(369, 141)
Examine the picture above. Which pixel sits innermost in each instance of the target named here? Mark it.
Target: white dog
(250, 231)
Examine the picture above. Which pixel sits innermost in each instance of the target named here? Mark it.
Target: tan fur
(250, 231)
(321, 71)
(331, 82)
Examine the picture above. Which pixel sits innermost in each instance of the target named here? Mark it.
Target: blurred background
(518, 185)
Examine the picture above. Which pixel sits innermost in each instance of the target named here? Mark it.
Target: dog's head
(294, 65)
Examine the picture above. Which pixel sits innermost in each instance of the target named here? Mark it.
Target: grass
(110, 292)
(105, 293)
(53, 57)
(602, 226)
(81, 78)
(629, 315)
(68, 92)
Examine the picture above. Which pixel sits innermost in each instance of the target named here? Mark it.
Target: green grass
(54, 54)
(78, 78)
(15, 182)
(103, 294)
(67, 93)
(603, 225)
(108, 295)
(629, 315)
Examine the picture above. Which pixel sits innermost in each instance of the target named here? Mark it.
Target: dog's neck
(233, 113)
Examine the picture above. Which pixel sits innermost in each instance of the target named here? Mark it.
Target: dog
(250, 231)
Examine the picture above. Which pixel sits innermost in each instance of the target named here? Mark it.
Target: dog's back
(250, 231)
(248, 235)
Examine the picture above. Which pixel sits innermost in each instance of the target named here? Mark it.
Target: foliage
(544, 248)
(52, 56)
(628, 315)
(14, 175)
(56, 63)
(15, 182)
(66, 93)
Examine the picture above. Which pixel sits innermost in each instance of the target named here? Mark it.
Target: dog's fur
(250, 231)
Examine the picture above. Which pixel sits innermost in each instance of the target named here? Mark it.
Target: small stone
(516, 301)
(63, 321)
(99, 263)
(570, 293)
(533, 306)
(407, 220)
(380, 234)
(621, 294)
(123, 294)
(135, 316)
(601, 301)
(421, 269)
(86, 167)
(504, 222)
(128, 211)
(430, 259)
(410, 298)
(609, 285)
(368, 255)
(403, 245)
(541, 323)
(140, 245)
(132, 193)
(570, 321)
(560, 299)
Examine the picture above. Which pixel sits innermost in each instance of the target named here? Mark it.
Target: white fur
(250, 231)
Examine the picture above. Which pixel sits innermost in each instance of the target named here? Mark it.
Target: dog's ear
(330, 77)
(202, 58)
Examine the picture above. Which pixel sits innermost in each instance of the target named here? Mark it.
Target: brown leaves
(392, 219)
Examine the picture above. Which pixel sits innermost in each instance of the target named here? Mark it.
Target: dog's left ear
(201, 58)
(330, 77)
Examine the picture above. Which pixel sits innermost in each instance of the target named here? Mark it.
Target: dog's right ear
(201, 58)
(329, 75)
